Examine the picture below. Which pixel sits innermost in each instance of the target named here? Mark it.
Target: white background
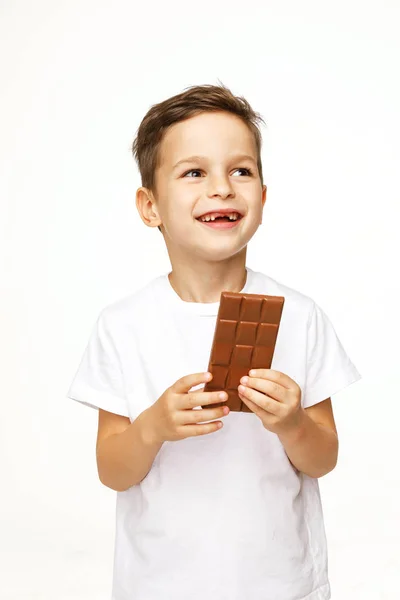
(77, 77)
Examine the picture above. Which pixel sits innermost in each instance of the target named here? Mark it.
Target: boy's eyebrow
(198, 158)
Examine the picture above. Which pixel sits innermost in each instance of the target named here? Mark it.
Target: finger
(187, 417)
(273, 375)
(201, 399)
(270, 388)
(263, 401)
(253, 407)
(184, 384)
(200, 429)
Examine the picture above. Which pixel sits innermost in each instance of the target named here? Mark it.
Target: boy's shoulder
(294, 299)
(133, 306)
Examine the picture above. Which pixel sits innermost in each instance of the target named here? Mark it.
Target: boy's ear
(263, 200)
(147, 207)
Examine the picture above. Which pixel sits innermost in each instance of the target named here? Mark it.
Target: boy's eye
(248, 171)
(192, 171)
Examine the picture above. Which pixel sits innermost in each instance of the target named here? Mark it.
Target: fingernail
(244, 380)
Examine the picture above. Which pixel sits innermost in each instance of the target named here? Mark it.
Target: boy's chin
(217, 251)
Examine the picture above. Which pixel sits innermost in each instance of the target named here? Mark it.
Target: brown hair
(197, 99)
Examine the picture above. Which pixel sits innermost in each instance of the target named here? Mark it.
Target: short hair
(194, 100)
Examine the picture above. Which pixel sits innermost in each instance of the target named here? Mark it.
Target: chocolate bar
(245, 335)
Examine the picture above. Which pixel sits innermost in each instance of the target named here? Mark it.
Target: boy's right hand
(172, 415)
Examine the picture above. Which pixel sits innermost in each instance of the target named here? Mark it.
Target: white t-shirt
(223, 516)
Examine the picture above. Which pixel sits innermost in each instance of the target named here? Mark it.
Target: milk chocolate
(244, 338)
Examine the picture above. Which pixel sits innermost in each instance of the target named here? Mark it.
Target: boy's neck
(204, 283)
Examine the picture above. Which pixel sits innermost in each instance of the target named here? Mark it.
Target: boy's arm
(313, 446)
(124, 450)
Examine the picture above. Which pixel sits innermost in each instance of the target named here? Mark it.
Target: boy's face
(224, 176)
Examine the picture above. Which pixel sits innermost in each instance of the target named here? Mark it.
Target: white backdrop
(76, 79)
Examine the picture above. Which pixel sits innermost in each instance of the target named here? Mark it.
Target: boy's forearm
(124, 459)
(312, 448)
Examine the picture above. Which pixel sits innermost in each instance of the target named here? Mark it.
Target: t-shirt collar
(195, 308)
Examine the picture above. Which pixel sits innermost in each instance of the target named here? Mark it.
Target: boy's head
(221, 130)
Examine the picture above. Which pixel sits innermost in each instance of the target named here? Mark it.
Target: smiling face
(207, 164)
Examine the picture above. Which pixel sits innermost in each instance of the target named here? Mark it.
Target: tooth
(231, 216)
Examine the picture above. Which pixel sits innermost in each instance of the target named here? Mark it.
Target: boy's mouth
(223, 219)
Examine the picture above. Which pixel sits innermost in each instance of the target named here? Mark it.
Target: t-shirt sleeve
(329, 369)
(98, 382)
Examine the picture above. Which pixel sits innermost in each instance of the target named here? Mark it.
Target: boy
(228, 512)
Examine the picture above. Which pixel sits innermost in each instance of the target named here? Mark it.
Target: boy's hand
(274, 397)
(173, 417)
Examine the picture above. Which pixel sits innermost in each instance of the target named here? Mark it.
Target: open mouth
(220, 217)
(220, 222)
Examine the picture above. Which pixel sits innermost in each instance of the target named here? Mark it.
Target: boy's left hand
(274, 397)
